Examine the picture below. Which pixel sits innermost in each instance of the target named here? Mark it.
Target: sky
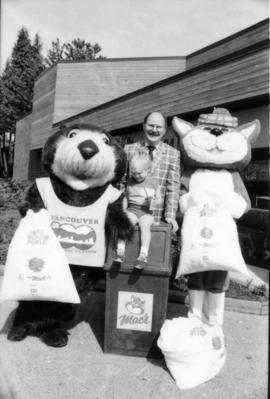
(129, 28)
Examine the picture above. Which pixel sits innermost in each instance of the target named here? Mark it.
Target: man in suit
(165, 166)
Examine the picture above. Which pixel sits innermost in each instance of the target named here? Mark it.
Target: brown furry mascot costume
(82, 162)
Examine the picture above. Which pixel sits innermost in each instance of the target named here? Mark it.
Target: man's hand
(173, 223)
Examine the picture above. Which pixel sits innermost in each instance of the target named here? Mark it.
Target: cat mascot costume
(213, 196)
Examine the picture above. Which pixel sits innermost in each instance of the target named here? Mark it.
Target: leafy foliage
(240, 291)
(77, 50)
(12, 192)
(80, 50)
(55, 54)
(17, 80)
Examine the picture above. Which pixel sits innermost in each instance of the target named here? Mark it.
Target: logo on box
(134, 311)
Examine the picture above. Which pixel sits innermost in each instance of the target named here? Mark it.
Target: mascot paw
(57, 337)
(17, 333)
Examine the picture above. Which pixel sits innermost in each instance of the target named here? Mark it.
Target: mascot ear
(117, 140)
(181, 127)
(250, 130)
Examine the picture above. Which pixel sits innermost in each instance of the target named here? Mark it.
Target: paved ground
(30, 370)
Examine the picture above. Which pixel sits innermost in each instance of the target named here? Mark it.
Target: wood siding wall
(35, 169)
(245, 115)
(43, 107)
(22, 148)
(261, 113)
(235, 80)
(252, 174)
(247, 38)
(84, 85)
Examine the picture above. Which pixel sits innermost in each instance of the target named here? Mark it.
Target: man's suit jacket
(166, 170)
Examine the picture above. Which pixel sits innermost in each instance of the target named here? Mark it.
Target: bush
(12, 193)
(241, 291)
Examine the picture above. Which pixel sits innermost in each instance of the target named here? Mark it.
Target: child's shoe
(119, 257)
(141, 262)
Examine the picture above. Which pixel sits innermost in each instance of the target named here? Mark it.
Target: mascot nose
(216, 131)
(88, 149)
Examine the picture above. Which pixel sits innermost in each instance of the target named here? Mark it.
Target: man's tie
(151, 148)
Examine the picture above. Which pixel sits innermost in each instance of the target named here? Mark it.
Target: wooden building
(70, 88)
(117, 94)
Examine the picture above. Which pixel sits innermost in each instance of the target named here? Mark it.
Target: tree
(17, 81)
(80, 50)
(55, 54)
(77, 50)
(38, 60)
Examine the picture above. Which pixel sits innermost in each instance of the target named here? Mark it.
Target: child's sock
(142, 259)
(120, 252)
(144, 251)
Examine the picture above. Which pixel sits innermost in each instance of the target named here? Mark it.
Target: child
(142, 192)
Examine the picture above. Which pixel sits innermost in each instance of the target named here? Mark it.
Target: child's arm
(157, 196)
(156, 199)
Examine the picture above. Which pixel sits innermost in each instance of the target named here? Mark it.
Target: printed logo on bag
(198, 331)
(207, 233)
(36, 264)
(207, 211)
(134, 311)
(37, 237)
(82, 237)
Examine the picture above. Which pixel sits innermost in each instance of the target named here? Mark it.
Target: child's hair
(140, 157)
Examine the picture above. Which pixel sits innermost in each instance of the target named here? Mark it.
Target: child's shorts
(139, 211)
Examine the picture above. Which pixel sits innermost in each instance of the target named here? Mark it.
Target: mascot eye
(105, 139)
(72, 133)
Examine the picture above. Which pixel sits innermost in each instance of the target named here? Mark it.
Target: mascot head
(84, 156)
(217, 141)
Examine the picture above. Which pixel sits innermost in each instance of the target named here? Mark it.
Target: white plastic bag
(194, 352)
(37, 267)
(210, 242)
